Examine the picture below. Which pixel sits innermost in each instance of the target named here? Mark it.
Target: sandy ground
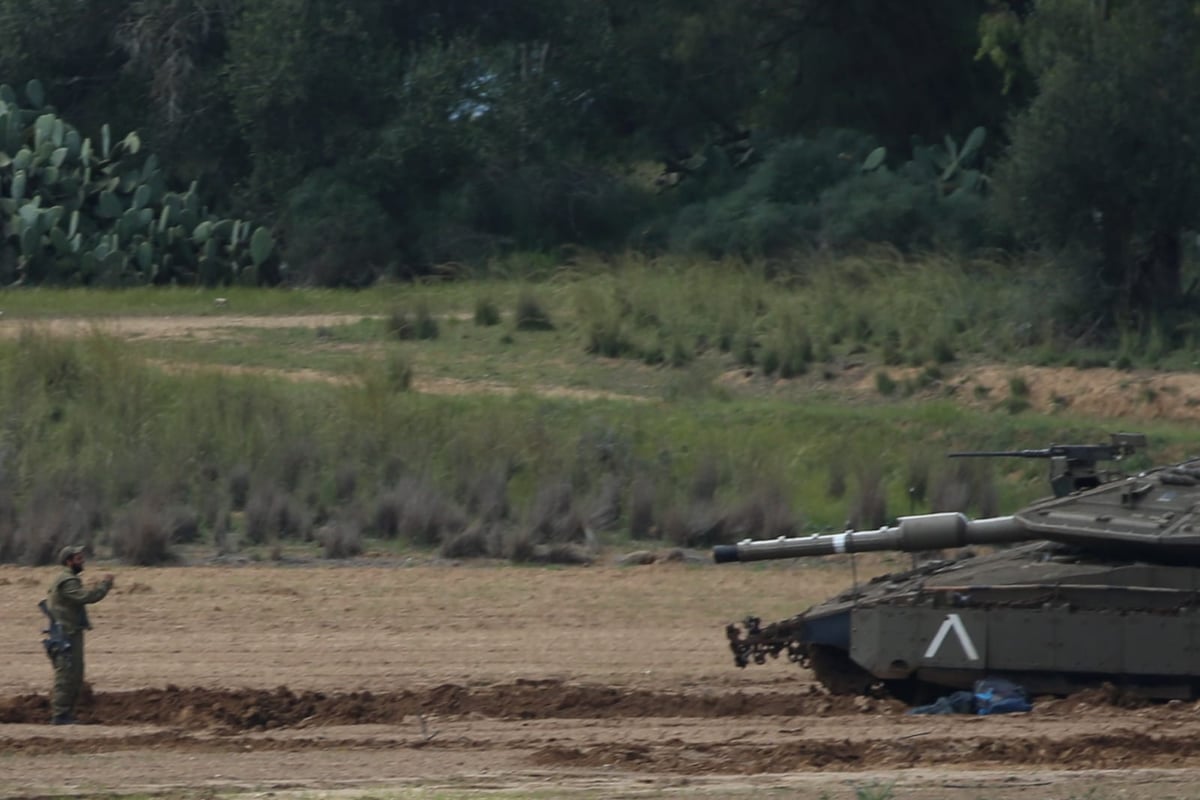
(467, 681)
(1096, 392)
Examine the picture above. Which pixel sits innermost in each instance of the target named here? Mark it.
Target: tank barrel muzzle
(724, 553)
(910, 534)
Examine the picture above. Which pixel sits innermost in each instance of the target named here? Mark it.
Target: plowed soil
(450, 680)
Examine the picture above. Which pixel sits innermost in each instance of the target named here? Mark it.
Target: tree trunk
(1119, 271)
(1159, 272)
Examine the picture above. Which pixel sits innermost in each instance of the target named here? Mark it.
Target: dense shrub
(763, 514)
(738, 226)
(183, 524)
(604, 505)
(484, 493)
(297, 460)
(880, 206)
(56, 514)
(487, 313)
(787, 349)
(776, 206)
(706, 479)
(553, 515)
(607, 336)
(536, 206)
(836, 480)
(271, 513)
(341, 538)
(699, 524)
(478, 540)
(417, 511)
(337, 234)
(239, 486)
(531, 313)
(345, 482)
(642, 503)
(965, 485)
(521, 546)
(421, 324)
(868, 507)
(561, 553)
(142, 535)
(818, 194)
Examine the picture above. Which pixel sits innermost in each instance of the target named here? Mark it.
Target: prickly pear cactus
(75, 211)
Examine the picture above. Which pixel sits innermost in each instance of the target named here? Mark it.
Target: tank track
(750, 641)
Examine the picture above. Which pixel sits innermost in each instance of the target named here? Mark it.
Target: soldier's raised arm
(72, 589)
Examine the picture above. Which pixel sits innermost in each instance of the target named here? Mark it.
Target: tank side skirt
(1072, 647)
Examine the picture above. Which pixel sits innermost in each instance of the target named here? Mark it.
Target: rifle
(1072, 466)
(56, 642)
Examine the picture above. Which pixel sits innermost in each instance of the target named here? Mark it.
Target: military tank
(1099, 583)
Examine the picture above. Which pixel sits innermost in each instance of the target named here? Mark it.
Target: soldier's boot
(64, 719)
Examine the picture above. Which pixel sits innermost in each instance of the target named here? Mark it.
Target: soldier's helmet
(68, 552)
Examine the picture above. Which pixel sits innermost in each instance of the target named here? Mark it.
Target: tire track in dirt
(250, 709)
(1122, 749)
(1086, 751)
(442, 386)
(557, 725)
(175, 326)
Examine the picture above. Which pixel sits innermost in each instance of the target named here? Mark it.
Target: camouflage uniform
(66, 600)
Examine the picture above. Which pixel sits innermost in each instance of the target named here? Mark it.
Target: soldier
(67, 600)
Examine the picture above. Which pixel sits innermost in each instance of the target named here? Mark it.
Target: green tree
(475, 126)
(155, 66)
(893, 69)
(309, 81)
(1106, 160)
(68, 46)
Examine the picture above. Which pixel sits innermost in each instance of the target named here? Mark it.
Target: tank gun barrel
(910, 534)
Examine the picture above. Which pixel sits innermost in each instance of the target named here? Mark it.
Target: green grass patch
(649, 378)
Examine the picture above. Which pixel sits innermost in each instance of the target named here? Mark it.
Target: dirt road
(465, 681)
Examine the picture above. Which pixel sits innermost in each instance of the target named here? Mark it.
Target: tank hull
(1052, 618)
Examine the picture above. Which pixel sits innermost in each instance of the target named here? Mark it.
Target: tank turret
(1098, 583)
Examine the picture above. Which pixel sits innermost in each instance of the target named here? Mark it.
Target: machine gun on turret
(1072, 466)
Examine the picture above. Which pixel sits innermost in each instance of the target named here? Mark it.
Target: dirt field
(452, 681)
